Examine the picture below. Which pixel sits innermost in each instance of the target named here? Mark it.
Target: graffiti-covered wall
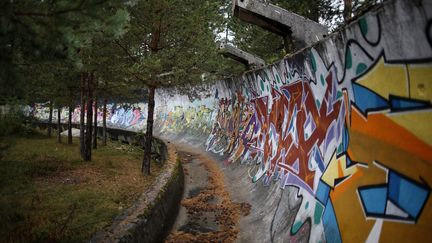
(122, 115)
(345, 123)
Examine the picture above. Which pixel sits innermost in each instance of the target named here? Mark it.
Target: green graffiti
(317, 213)
(363, 26)
(322, 80)
(340, 148)
(262, 85)
(314, 66)
(361, 67)
(266, 76)
(307, 205)
(295, 228)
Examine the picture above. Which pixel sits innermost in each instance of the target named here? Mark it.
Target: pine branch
(79, 8)
(134, 59)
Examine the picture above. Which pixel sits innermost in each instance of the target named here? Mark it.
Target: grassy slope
(49, 194)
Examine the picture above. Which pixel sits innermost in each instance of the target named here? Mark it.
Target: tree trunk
(88, 136)
(59, 124)
(50, 118)
(70, 125)
(149, 133)
(288, 44)
(347, 10)
(82, 115)
(104, 140)
(95, 123)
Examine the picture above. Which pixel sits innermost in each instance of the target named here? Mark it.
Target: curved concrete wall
(154, 212)
(343, 127)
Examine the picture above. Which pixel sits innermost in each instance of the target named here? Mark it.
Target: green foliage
(127, 44)
(13, 121)
(50, 195)
(173, 41)
(39, 38)
(340, 12)
(10, 124)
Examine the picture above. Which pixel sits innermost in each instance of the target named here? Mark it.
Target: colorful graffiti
(194, 119)
(346, 123)
(303, 117)
(123, 116)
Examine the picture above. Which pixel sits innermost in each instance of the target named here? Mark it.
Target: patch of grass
(49, 194)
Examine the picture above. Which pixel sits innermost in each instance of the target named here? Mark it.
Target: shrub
(13, 121)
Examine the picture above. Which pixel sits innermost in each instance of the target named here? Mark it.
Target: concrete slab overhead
(248, 59)
(279, 21)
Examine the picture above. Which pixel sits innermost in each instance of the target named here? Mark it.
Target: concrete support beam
(250, 60)
(280, 21)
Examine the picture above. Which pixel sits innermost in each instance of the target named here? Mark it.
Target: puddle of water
(195, 191)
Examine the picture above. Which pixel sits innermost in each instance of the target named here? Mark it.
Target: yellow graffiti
(420, 77)
(337, 169)
(417, 122)
(412, 81)
(385, 79)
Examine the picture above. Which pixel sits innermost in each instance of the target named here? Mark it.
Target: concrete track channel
(207, 212)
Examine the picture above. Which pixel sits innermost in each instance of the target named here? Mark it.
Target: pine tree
(51, 35)
(171, 42)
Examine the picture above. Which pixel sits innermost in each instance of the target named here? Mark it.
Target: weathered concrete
(280, 21)
(249, 60)
(289, 134)
(196, 180)
(151, 216)
(75, 132)
(208, 212)
(330, 144)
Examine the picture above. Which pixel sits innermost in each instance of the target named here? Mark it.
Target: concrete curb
(152, 215)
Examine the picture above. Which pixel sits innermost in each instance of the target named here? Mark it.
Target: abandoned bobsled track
(330, 144)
